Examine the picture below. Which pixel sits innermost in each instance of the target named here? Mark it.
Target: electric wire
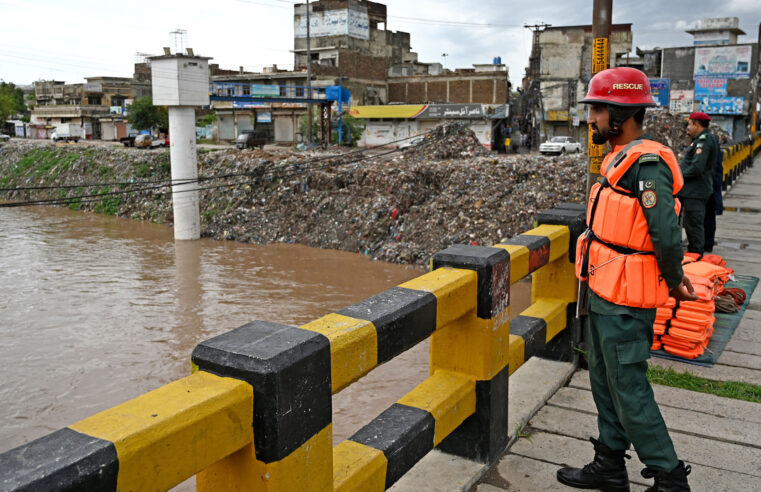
(88, 198)
(173, 182)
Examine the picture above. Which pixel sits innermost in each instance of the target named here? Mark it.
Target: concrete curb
(531, 386)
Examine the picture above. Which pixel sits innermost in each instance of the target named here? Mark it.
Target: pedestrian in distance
(698, 165)
(629, 260)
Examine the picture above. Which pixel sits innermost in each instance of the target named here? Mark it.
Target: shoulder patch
(649, 199)
(702, 137)
(649, 158)
(700, 150)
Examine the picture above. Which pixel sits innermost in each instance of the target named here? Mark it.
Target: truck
(70, 132)
(129, 140)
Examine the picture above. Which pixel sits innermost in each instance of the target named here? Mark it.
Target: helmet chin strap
(618, 115)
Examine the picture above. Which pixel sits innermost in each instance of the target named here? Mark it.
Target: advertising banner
(722, 105)
(682, 101)
(264, 117)
(435, 111)
(732, 62)
(263, 90)
(248, 104)
(343, 22)
(661, 89)
(709, 86)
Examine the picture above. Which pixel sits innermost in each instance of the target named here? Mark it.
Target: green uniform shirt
(698, 165)
(651, 174)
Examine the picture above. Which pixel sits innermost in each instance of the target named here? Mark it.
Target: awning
(401, 111)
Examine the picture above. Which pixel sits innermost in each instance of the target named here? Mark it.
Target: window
(94, 99)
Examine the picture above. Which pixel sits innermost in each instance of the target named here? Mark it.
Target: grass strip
(685, 380)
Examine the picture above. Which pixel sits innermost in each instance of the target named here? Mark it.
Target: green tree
(352, 130)
(11, 100)
(143, 115)
(207, 119)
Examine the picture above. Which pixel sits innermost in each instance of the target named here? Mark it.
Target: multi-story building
(717, 75)
(349, 46)
(559, 71)
(98, 105)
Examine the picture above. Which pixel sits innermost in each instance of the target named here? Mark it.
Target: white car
(560, 145)
(414, 142)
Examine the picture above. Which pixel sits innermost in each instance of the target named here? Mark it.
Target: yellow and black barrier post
(289, 371)
(478, 346)
(152, 442)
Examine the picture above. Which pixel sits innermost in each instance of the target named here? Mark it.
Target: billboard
(342, 22)
(248, 104)
(722, 105)
(709, 86)
(264, 117)
(661, 89)
(682, 101)
(434, 111)
(263, 90)
(732, 62)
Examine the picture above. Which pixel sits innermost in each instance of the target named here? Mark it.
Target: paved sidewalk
(719, 437)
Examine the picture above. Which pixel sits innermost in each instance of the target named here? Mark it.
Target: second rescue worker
(698, 169)
(630, 258)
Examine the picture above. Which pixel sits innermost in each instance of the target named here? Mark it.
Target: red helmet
(621, 86)
(700, 116)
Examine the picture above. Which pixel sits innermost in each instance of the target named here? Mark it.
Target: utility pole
(309, 80)
(534, 89)
(601, 18)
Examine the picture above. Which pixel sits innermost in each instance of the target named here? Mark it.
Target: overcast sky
(70, 40)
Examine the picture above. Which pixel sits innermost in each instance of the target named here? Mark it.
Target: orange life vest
(615, 254)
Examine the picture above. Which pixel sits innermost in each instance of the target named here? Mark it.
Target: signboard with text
(661, 89)
(682, 101)
(710, 86)
(722, 105)
(732, 62)
(435, 111)
(342, 22)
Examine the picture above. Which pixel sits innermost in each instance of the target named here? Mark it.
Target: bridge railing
(738, 157)
(256, 412)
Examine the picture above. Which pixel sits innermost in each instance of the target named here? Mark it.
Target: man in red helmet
(629, 259)
(698, 169)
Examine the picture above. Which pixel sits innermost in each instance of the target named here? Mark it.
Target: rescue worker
(697, 168)
(629, 259)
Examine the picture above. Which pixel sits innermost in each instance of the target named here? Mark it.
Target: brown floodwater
(96, 310)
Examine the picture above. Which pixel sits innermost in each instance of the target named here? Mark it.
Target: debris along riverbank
(394, 206)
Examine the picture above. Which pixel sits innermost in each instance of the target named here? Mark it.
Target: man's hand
(684, 291)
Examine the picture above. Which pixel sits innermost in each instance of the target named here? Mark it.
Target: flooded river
(96, 310)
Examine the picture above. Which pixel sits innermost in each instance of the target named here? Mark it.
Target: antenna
(179, 40)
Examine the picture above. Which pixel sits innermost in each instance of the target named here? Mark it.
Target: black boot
(607, 472)
(673, 481)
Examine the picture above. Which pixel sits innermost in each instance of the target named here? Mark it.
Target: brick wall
(483, 91)
(459, 91)
(437, 91)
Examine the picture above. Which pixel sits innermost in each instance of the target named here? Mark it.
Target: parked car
(248, 139)
(4, 137)
(413, 142)
(144, 141)
(560, 145)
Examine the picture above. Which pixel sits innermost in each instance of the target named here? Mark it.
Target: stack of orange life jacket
(684, 328)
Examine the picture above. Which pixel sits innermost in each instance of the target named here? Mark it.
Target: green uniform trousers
(626, 408)
(693, 220)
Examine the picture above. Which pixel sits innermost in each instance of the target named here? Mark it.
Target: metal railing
(256, 412)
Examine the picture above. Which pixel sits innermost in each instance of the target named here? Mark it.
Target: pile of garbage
(398, 207)
(671, 130)
(449, 141)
